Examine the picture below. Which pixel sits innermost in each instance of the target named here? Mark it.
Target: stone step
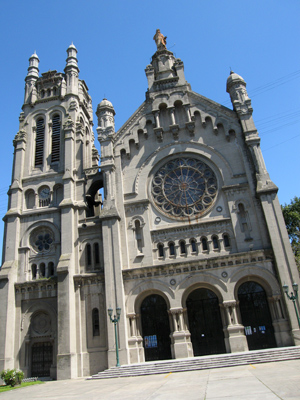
(199, 363)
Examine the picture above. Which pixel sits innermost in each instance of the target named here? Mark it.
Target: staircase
(204, 362)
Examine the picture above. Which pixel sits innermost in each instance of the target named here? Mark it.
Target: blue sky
(258, 40)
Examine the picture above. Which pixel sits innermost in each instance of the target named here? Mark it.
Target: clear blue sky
(258, 40)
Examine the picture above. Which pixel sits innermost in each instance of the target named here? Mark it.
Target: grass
(5, 388)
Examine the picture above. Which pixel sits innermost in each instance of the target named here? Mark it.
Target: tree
(291, 215)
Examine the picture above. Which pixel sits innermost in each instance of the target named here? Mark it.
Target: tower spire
(72, 70)
(31, 78)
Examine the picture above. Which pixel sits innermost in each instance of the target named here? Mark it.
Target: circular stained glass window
(184, 187)
(41, 240)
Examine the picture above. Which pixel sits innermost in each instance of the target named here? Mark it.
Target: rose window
(184, 187)
(42, 240)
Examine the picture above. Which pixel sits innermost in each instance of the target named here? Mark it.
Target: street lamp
(293, 297)
(115, 321)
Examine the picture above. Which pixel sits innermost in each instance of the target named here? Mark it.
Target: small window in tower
(96, 253)
(42, 270)
(96, 325)
(39, 142)
(88, 255)
(182, 247)
(33, 271)
(194, 246)
(55, 138)
(50, 269)
(30, 199)
(204, 244)
(226, 241)
(160, 247)
(215, 242)
(171, 249)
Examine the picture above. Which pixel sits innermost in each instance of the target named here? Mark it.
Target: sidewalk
(270, 381)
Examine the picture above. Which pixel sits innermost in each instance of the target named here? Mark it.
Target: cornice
(214, 105)
(198, 266)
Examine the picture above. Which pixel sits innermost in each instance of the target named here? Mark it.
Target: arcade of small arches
(43, 196)
(92, 256)
(42, 270)
(183, 248)
(205, 323)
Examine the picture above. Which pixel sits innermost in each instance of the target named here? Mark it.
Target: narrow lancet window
(55, 138)
(39, 142)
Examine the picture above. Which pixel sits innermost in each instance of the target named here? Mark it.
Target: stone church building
(178, 224)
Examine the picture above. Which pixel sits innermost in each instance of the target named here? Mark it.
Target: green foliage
(23, 384)
(291, 214)
(12, 377)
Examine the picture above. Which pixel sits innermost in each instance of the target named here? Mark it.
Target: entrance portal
(256, 316)
(41, 359)
(205, 322)
(155, 328)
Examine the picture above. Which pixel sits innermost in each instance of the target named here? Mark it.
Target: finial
(160, 40)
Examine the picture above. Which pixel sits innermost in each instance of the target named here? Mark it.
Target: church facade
(177, 228)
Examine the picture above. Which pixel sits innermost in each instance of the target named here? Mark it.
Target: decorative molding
(199, 266)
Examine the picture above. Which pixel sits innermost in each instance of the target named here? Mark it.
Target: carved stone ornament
(184, 187)
(69, 124)
(21, 135)
(41, 323)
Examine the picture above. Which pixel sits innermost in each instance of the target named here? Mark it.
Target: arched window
(161, 252)
(55, 138)
(30, 199)
(226, 240)
(95, 322)
(50, 269)
(39, 142)
(88, 255)
(58, 194)
(182, 247)
(193, 245)
(215, 242)
(171, 249)
(42, 270)
(204, 244)
(96, 254)
(33, 271)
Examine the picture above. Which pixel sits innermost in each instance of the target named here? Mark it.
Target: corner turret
(236, 87)
(72, 70)
(31, 78)
(106, 130)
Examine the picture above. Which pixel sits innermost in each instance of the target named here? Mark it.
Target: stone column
(135, 340)
(280, 323)
(181, 346)
(67, 365)
(236, 340)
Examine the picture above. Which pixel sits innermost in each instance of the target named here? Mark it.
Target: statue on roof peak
(160, 40)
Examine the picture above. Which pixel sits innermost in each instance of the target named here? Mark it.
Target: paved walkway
(271, 381)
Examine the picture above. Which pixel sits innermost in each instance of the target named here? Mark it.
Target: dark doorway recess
(256, 316)
(205, 322)
(41, 359)
(155, 328)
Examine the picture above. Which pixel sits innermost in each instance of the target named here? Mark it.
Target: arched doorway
(256, 316)
(205, 322)
(155, 328)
